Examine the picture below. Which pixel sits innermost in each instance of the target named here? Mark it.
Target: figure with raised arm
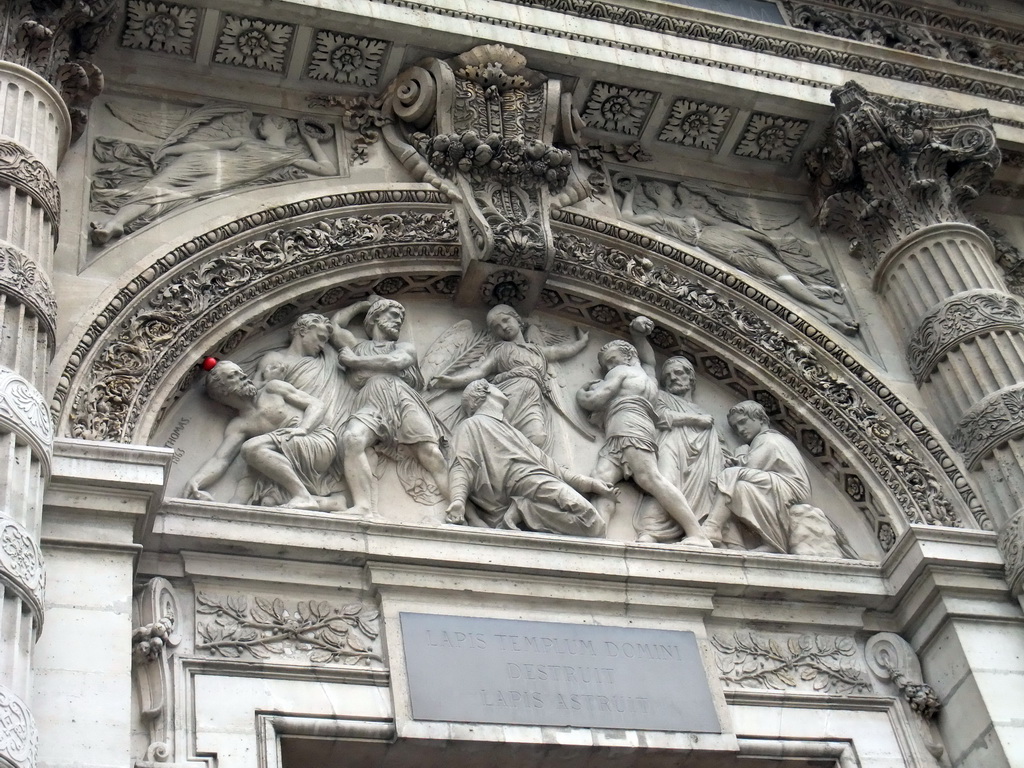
(519, 368)
(388, 412)
(511, 482)
(278, 432)
(625, 400)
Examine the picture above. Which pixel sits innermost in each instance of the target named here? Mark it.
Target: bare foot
(103, 234)
(697, 541)
(302, 502)
(359, 510)
(646, 538)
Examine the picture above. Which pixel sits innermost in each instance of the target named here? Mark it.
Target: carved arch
(132, 357)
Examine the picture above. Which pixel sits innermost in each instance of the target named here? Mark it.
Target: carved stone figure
(762, 502)
(710, 220)
(625, 401)
(310, 363)
(510, 480)
(690, 452)
(388, 412)
(202, 152)
(278, 432)
(517, 366)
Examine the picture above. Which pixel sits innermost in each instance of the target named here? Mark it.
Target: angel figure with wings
(199, 152)
(514, 357)
(737, 232)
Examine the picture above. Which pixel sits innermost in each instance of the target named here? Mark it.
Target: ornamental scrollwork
(820, 663)
(887, 168)
(28, 174)
(23, 411)
(19, 738)
(957, 320)
(21, 566)
(264, 628)
(22, 279)
(997, 419)
(108, 405)
(879, 439)
(890, 657)
(1011, 547)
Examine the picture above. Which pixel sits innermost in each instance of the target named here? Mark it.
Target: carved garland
(18, 736)
(148, 336)
(22, 170)
(23, 411)
(822, 663)
(849, 61)
(956, 321)
(793, 362)
(21, 278)
(890, 657)
(997, 419)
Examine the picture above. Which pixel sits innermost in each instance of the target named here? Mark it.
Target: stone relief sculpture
(624, 400)
(690, 452)
(511, 482)
(514, 357)
(762, 502)
(727, 228)
(388, 412)
(196, 153)
(279, 433)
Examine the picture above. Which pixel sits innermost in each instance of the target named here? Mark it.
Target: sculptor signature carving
(510, 480)
(197, 153)
(730, 229)
(761, 503)
(624, 401)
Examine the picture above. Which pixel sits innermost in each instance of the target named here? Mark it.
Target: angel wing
(557, 391)
(760, 215)
(156, 123)
(459, 347)
(225, 126)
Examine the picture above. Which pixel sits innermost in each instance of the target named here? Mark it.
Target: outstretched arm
(320, 165)
(481, 370)
(215, 467)
(341, 336)
(639, 330)
(567, 349)
(596, 395)
(403, 356)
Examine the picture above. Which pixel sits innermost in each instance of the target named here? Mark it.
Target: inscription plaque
(475, 670)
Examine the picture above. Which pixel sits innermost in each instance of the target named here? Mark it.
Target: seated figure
(762, 502)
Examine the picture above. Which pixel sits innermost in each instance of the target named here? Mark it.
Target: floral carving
(18, 736)
(21, 566)
(770, 137)
(253, 43)
(617, 108)
(957, 320)
(997, 419)
(696, 124)
(346, 59)
(819, 662)
(885, 445)
(890, 657)
(20, 169)
(160, 27)
(109, 406)
(1011, 547)
(23, 411)
(21, 278)
(264, 628)
(361, 115)
(888, 168)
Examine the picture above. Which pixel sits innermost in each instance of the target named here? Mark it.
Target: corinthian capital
(886, 168)
(54, 38)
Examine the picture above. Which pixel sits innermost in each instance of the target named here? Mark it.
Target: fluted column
(40, 42)
(895, 178)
